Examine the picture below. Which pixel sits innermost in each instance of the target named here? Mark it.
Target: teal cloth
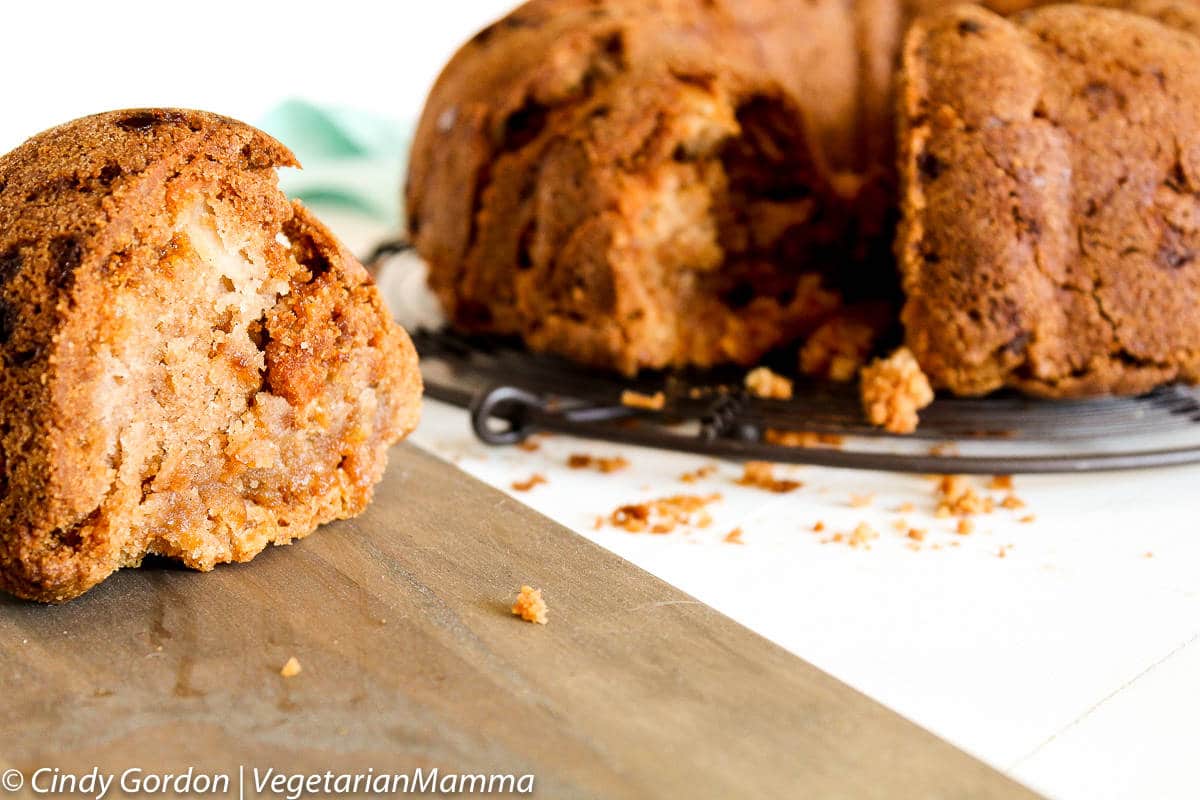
(351, 159)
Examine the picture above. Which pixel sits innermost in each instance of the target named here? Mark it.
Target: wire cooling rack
(513, 394)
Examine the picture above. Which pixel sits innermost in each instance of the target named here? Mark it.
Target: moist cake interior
(206, 391)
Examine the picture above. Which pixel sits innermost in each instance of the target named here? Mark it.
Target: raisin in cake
(190, 365)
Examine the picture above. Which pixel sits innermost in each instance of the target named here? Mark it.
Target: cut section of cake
(649, 184)
(192, 366)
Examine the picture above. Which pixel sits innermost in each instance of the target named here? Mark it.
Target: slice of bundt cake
(190, 365)
(1051, 199)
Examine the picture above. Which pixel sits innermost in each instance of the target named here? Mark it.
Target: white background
(66, 60)
(1072, 663)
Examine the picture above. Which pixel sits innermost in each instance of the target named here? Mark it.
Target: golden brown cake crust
(158, 336)
(639, 183)
(1051, 168)
(624, 182)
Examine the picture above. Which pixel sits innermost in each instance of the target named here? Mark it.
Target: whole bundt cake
(656, 183)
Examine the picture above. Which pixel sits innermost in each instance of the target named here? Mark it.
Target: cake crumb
(647, 402)
(605, 464)
(862, 536)
(761, 475)
(1001, 483)
(697, 475)
(291, 669)
(965, 527)
(905, 508)
(734, 536)
(894, 390)
(839, 347)
(1011, 501)
(1002, 552)
(535, 480)
(1028, 519)
(763, 383)
(958, 498)
(803, 439)
(818, 527)
(529, 445)
(916, 534)
(861, 500)
(664, 515)
(530, 606)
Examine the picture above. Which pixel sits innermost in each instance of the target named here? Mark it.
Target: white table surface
(1072, 663)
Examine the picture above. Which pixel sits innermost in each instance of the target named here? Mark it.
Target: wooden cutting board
(411, 658)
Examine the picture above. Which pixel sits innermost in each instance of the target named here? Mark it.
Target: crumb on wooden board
(530, 606)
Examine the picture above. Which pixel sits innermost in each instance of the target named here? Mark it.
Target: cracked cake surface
(1051, 205)
(193, 366)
